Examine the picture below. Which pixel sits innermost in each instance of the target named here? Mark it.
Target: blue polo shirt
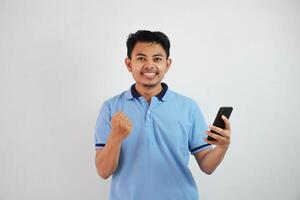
(154, 158)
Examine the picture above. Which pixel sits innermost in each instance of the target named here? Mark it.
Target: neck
(148, 92)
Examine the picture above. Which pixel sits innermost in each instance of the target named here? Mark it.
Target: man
(145, 135)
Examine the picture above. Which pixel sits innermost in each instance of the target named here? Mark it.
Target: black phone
(226, 111)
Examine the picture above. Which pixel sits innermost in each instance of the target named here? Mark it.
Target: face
(148, 64)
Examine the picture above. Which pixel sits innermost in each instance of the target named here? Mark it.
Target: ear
(169, 62)
(128, 64)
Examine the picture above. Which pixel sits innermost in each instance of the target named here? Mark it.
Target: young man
(145, 135)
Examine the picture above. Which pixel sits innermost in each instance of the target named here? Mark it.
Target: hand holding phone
(219, 122)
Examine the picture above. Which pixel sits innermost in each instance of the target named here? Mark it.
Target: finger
(120, 113)
(129, 126)
(122, 116)
(217, 129)
(222, 139)
(209, 141)
(219, 140)
(208, 133)
(226, 133)
(227, 122)
(119, 116)
(116, 115)
(212, 135)
(126, 119)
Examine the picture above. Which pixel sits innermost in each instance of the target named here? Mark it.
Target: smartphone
(226, 111)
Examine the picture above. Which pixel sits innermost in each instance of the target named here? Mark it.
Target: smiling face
(148, 64)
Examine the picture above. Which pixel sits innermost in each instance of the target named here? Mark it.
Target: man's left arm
(209, 159)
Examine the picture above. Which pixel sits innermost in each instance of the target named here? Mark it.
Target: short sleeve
(102, 128)
(196, 136)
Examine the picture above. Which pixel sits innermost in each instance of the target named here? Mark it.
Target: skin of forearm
(107, 160)
(212, 159)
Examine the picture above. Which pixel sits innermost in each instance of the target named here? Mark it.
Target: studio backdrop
(61, 59)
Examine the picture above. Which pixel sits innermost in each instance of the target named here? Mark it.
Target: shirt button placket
(148, 118)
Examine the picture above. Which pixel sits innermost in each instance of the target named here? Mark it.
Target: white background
(60, 59)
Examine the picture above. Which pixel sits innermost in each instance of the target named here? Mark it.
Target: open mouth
(149, 75)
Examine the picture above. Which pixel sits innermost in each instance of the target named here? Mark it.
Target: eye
(140, 58)
(157, 59)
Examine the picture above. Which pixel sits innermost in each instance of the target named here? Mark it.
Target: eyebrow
(159, 54)
(155, 55)
(140, 54)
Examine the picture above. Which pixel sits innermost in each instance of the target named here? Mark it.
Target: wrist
(114, 139)
(222, 148)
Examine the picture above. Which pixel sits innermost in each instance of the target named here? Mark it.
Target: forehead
(148, 48)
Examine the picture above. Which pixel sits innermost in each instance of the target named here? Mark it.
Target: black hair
(147, 36)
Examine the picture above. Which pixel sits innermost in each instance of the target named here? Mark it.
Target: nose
(150, 64)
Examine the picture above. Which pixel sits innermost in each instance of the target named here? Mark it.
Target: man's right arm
(107, 159)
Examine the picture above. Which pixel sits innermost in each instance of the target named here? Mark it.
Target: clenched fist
(120, 126)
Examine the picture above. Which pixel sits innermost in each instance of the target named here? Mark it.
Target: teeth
(149, 74)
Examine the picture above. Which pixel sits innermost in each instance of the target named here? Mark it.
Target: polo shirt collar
(161, 96)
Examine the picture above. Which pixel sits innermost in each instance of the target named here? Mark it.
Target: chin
(150, 85)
